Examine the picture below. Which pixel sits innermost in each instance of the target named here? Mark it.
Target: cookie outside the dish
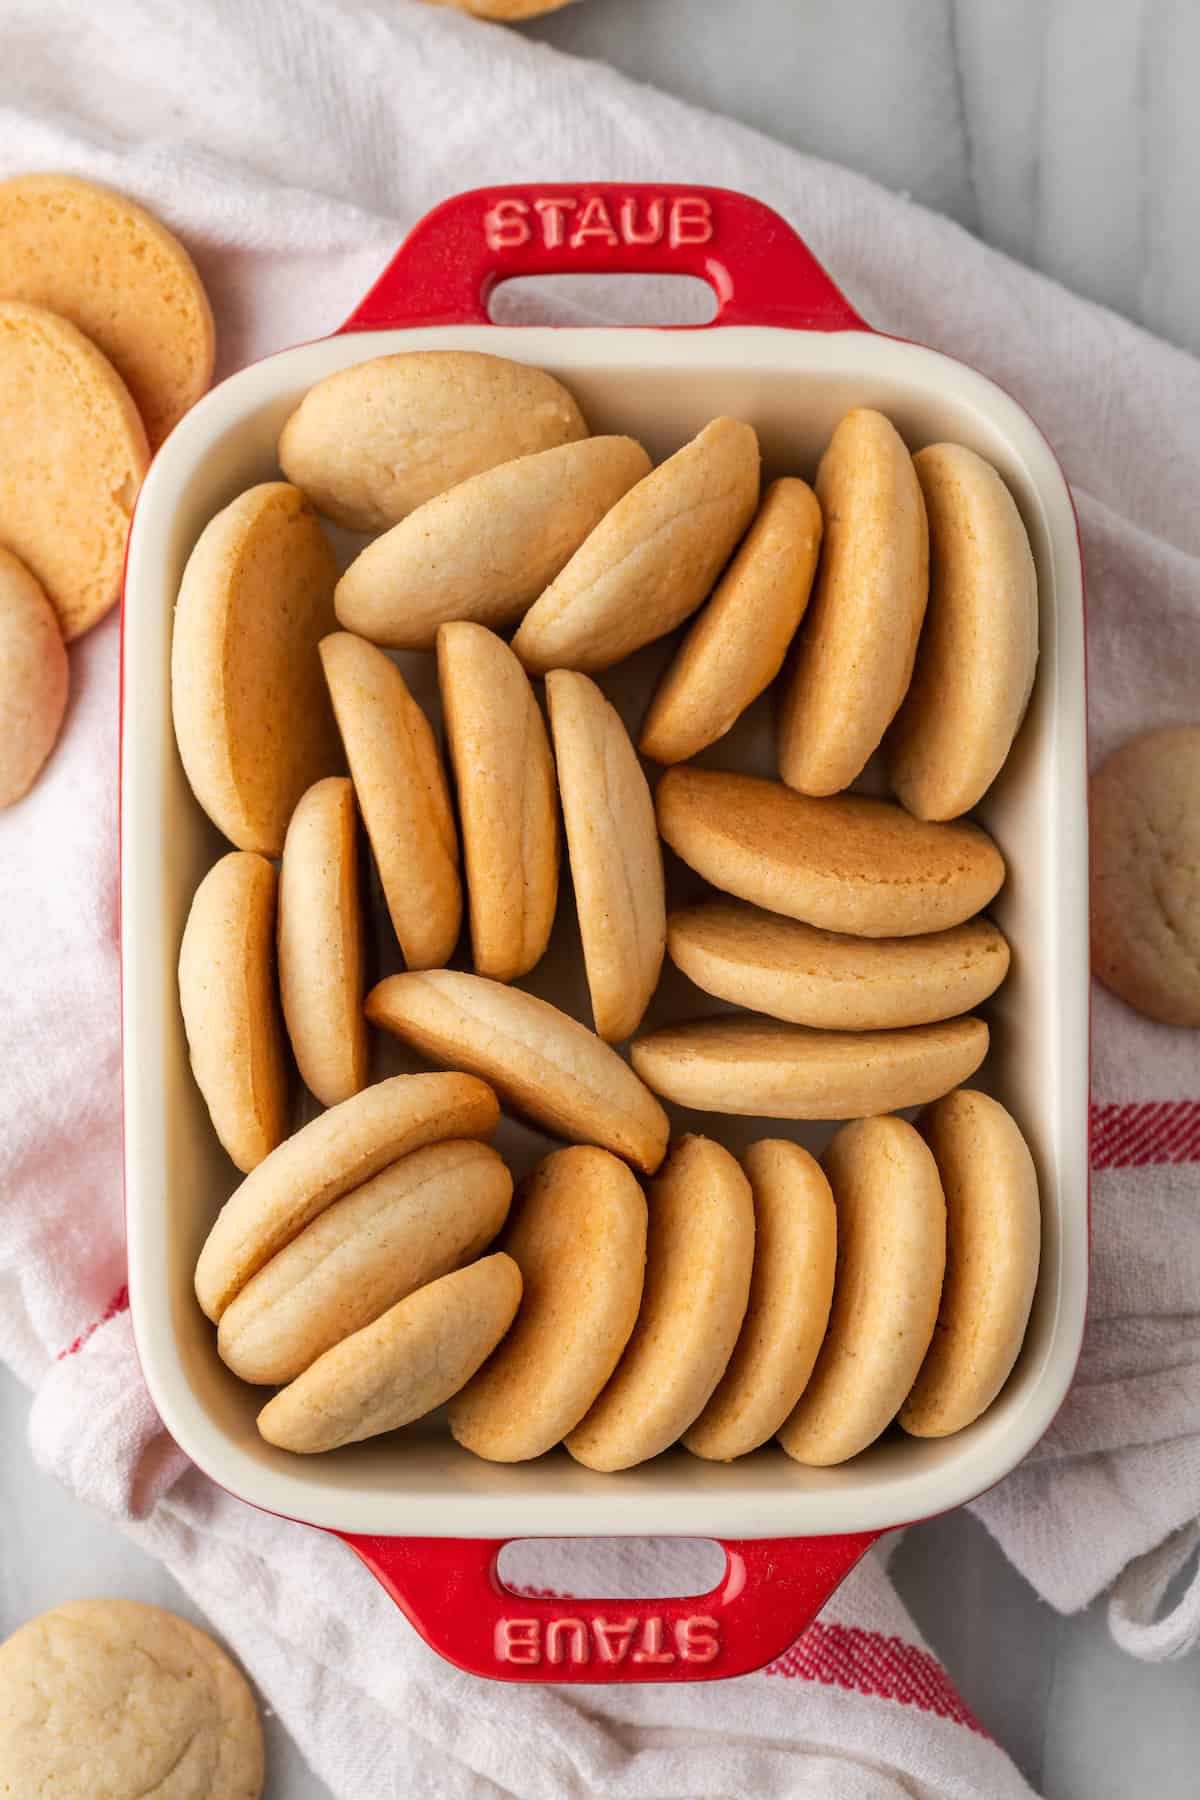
(111, 1697)
(34, 677)
(73, 452)
(97, 258)
(1145, 874)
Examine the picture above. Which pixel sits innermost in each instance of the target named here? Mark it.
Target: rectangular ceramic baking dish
(787, 352)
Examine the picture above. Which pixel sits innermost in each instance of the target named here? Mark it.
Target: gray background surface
(1066, 133)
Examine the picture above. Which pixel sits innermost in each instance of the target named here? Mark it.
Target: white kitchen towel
(291, 144)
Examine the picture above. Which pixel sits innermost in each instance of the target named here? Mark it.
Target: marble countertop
(1066, 133)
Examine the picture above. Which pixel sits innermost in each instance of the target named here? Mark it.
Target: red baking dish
(787, 352)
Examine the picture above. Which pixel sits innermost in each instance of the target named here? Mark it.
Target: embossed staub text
(583, 221)
(596, 1638)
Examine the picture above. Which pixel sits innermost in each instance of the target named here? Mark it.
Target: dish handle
(761, 272)
(450, 1590)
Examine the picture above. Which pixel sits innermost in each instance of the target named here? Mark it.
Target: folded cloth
(291, 145)
(856, 1708)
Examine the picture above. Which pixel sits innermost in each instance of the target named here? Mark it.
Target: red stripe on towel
(118, 1304)
(860, 1661)
(1154, 1131)
(867, 1662)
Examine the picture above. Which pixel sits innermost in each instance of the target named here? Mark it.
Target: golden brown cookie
(373, 442)
(230, 1004)
(578, 1236)
(320, 942)
(846, 864)
(484, 550)
(33, 678)
(330, 1156)
(1145, 874)
(795, 1250)
(854, 655)
(699, 1257)
(891, 1253)
(104, 1699)
(99, 260)
(736, 648)
(507, 798)
(72, 455)
(993, 1245)
(651, 560)
(403, 795)
(397, 1369)
(796, 972)
(415, 1221)
(543, 1062)
(616, 860)
(252, 718)
(738, 1063)
(507, 10)
(979, 643)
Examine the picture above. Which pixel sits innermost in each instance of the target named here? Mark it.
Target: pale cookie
(320, 942)
(854, 656)
(616, 858)
(485, 549)
(403, 795)
(373, 442)
(795, 1250)
(651, 561)
(72, 455)
(847, 864)
(979, 643)
(416, 1220)
(330, 1156)
(33, 678)
(104, 1699)
(993, 1244)
(543, 1062)
(503, 9)
(230, 1005)
(736, 648)
(507, 799)
(891, 1253)
(578, 1236)
(1145, 862)
(397, 1369)
(105, 264)
(699, 1258)
(797, 972)
(737, 1063)
(252, 718)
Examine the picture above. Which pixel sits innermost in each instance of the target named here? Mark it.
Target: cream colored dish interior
(660, 387)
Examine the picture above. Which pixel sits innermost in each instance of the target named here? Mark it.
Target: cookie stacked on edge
(106, 338)
(377, 1263)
